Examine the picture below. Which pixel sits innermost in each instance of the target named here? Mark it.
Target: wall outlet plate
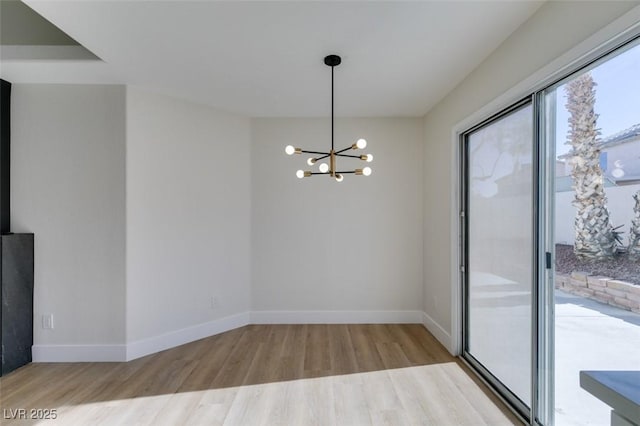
(47, 321)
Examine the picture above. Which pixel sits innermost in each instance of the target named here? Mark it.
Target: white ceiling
(266, 58)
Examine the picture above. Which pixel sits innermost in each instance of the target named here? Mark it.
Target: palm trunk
(594, 234)
(634, 234)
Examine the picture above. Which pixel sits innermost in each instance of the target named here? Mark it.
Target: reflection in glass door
(499, 241)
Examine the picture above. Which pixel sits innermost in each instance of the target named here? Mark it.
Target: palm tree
(634, 234)
(595, 237)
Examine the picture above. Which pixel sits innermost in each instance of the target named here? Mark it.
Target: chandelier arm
(345, 149)
(349, 155)
(323, 157)
(315, 152)
(352, 171)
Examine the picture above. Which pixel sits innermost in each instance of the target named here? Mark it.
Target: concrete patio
(590, 336)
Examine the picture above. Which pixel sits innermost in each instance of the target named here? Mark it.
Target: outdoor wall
(318, 245)
(188, 220)
(620, 203)
(555, 29)
(68, 187)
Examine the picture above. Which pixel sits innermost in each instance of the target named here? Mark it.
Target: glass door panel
(597, 324)
(499, 163)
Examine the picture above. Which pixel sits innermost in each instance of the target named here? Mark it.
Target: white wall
(553, 30)
(67, 187)
(188, 214)
(320, 245)
(620, 203)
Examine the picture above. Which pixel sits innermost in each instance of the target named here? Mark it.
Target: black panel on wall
(5, 143)
(16, 326)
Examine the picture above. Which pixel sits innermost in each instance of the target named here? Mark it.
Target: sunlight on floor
(439, 394)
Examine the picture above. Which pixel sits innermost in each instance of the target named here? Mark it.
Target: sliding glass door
(498, 206)
(549, 187)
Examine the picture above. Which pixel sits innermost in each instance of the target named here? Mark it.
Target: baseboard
(79, 353)
(140, 348)
(336, 317)
(172, 339)
(437, 331)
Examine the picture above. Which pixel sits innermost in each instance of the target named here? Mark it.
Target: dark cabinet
(16, 300)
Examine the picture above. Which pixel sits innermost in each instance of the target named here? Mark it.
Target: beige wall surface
(188, 220)
(320, 245)
(67, 187)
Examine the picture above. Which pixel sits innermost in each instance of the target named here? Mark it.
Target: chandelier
(331, 168)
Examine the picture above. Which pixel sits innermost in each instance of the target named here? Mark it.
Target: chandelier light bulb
(361, 144)
(300, 174)
(289, 150)
(324, 167)
(369, 158)
(339, 177)
(311, 161)
(366, 171)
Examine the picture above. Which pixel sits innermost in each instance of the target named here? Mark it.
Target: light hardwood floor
(266, 375)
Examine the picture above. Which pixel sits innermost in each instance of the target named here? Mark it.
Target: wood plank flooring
(391, 374)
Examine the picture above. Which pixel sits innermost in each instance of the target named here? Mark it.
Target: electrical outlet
(47, 322)
(214, 302)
